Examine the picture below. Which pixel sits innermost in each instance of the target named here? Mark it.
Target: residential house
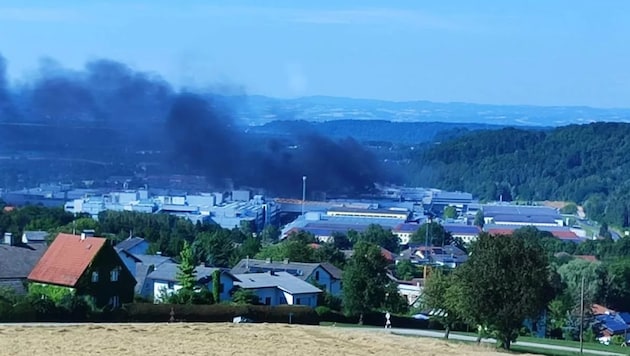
(140, 266)
(85, 266)
(17, 260)
(135, 245)
(610, 323)
(447, 256)
(404, 231)
(275, 288)
(163, 278)
(467, 233)
(29, 237)
(324, 274)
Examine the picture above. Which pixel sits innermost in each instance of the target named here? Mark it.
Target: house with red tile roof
(85, 266)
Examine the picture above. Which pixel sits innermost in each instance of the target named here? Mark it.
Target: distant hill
(582, 163)
(259, 110)
(409, 133)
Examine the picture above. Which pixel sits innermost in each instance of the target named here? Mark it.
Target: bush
(221, 313)
(322, 310)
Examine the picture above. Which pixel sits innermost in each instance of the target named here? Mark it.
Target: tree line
(585, 164)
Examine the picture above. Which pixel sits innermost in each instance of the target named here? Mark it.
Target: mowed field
(218, 339)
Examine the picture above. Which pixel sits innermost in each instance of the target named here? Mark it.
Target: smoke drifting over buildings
(195, 131)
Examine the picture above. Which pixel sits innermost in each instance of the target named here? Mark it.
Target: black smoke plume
(107, 110)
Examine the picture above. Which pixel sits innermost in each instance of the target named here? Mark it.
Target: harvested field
(218, 339)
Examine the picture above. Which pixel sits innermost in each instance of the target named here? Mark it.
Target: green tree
(437, 235)
(295, 248)
(618, 288)
(406, 270)
(450, 212)
(216, 286)
(364, 280)
(245, 296)
(270, 234)
(384, 238)
(479, 219)
(569, 209)
(250, 247)
(505, 281)
(571, 275)
(215, 248)
(441, 293)
(327, 252)
(603, 231)
(186, 274)
(394, 302)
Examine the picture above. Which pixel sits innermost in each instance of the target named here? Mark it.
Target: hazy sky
(498, 52)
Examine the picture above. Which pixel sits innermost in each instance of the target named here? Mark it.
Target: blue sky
(496, 52)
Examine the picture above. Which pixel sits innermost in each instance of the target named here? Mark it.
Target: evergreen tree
(186, 275)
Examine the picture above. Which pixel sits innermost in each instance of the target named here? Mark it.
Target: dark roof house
(16, 262)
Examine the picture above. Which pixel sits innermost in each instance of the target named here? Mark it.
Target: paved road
(439, 334)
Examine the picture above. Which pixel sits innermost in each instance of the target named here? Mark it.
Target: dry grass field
(217, 339)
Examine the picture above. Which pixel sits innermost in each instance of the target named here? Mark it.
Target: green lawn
(522, 349)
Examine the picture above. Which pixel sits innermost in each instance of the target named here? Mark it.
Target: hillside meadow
(218, 339)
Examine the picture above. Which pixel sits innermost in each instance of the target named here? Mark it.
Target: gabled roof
(128, 243)
(281, 280)
(300, 270)
(334, 272)
(66, 259)
(168, 272)
(17, 261)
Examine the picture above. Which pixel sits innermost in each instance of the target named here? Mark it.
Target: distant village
(116, 274)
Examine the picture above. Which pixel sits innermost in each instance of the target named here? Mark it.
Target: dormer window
(114, 274)
(94, 276)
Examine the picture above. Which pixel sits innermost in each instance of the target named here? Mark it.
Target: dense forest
(587, 164)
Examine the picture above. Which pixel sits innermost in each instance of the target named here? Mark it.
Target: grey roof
(168, 272)
(129, 243)
(335, 272)
(300, 270)
(492, 210)
(281, 280)
(142, 271)
(155, 260)
(18, 260)
(34, 236)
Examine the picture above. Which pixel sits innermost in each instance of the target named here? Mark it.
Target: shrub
(221, 313)
(322, 310)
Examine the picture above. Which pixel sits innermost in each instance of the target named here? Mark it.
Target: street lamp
(303, 192)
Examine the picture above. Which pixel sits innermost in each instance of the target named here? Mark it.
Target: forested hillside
(588, 164)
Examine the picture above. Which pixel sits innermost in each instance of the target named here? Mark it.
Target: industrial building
(216, 208)
(520, 215)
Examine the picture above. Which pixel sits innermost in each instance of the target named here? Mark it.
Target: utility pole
(303, 192)
(582, 316)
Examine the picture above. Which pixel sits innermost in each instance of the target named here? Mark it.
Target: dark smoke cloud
(6, 106)
(197, 130)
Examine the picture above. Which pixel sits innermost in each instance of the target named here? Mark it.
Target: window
(114, 301)
(317, 275)
(297, 301)
(268, 301)
(113, 274)
(221, 288)
(171, 285)
(94, 276)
